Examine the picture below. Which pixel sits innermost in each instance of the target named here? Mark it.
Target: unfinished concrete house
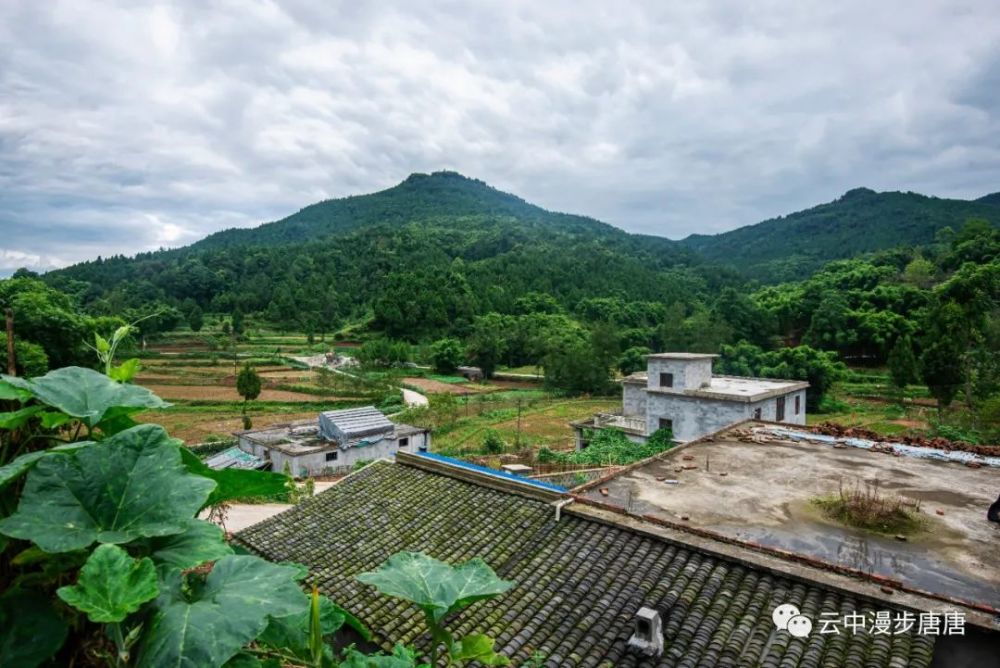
(679, 392)
(334, 443)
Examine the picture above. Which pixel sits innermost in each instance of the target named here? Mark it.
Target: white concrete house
(679, 391)
(334, 443)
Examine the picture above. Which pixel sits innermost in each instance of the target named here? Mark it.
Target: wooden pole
(11, 358)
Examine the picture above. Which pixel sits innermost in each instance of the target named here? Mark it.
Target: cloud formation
(129, 126)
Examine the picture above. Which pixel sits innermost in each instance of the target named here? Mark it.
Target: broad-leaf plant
(103, 560)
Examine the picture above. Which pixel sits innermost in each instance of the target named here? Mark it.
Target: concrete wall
(693, 416)
(633, 399)
(688, 374)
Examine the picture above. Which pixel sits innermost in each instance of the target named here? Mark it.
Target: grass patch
(454, 380)
(864, 506)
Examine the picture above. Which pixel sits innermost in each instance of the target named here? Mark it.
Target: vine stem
(122, 654)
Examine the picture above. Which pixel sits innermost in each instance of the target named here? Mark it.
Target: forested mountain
(419, 197)
(422, 258)
(861, 221)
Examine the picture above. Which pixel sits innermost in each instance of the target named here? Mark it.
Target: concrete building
(334, 443)
(678, 391)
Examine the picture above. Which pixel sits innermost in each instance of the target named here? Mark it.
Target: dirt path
(410, 397)
(222, 393)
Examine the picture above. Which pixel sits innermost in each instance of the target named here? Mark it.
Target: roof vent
(648, 635)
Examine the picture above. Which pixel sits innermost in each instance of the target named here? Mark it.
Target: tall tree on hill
(487, 344)
(196, 319)
(903, 366)
(941, 363)
(248, 386)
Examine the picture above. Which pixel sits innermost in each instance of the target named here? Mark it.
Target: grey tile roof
(579, 581)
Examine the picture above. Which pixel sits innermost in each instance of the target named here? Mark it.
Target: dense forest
(894, 279)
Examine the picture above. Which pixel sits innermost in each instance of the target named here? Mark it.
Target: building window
(756, 413)
(403, 442)
(797, 404)
(666, 423)
(779, 410)
(332, 456)
(666, 380)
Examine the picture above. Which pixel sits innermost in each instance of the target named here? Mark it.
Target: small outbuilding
(334, 443)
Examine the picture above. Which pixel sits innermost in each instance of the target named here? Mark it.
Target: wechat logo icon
(787, 617)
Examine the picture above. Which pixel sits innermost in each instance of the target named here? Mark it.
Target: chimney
(648, 635)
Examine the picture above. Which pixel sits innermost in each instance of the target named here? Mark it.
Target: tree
(237, 322)
(944, 343)
(903, 366)
(821, 369)
(919, 272)
(575, 367)
(633, 359)
(248, 384)
(196, 318)
(31, 357)
(446, 355)
(487, 344)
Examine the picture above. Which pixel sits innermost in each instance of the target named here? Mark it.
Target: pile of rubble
(840, 431)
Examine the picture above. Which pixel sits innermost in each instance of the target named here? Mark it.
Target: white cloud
(665, 118)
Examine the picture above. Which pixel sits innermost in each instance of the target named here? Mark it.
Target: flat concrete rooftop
(732, 388)
(760, 492)
(303, 437)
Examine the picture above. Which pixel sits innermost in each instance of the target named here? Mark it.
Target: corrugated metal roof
(234, 458)
(352, 423)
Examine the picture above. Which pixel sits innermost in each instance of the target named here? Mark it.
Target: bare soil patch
(223, 393)
(436, 386)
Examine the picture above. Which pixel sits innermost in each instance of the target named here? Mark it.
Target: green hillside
(419, 197)
(861, 221)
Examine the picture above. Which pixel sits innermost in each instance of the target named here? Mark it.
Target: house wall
(317, 464)
(633, 399)
(688, 374)
(693, 416)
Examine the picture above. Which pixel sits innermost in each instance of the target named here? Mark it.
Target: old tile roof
(579, 581)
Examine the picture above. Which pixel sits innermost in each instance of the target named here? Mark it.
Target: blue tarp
(493, 472)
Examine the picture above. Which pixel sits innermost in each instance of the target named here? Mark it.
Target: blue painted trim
(451, 461)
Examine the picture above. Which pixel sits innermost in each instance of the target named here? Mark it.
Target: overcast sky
(129, 126)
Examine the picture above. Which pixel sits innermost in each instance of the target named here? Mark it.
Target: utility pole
(519, 422)
(11, 358)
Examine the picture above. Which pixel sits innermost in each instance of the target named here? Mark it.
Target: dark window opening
(666, 423)
(332, 456)
(779, 410)
(403, 442)
(666, 380)
(756, 414)
(797, 404)
(643, 629)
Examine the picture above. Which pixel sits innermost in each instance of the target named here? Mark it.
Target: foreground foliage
(103, 559)
(611, 447)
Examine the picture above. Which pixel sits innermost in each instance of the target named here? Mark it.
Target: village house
(678, 391)
(333, 443)
(651, 565)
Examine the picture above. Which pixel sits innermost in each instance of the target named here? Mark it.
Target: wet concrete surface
(762, 493)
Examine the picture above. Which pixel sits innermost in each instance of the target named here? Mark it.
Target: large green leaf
(85, 394)
(434, 585)
(30, 630)
(112, 585)
(401, 657)
(201, 541)
(15, 469)
(10, 392)
(292, 631)
(19, 418)
(129, 486)
(477, 647)
(237, 483)
(211, 623)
